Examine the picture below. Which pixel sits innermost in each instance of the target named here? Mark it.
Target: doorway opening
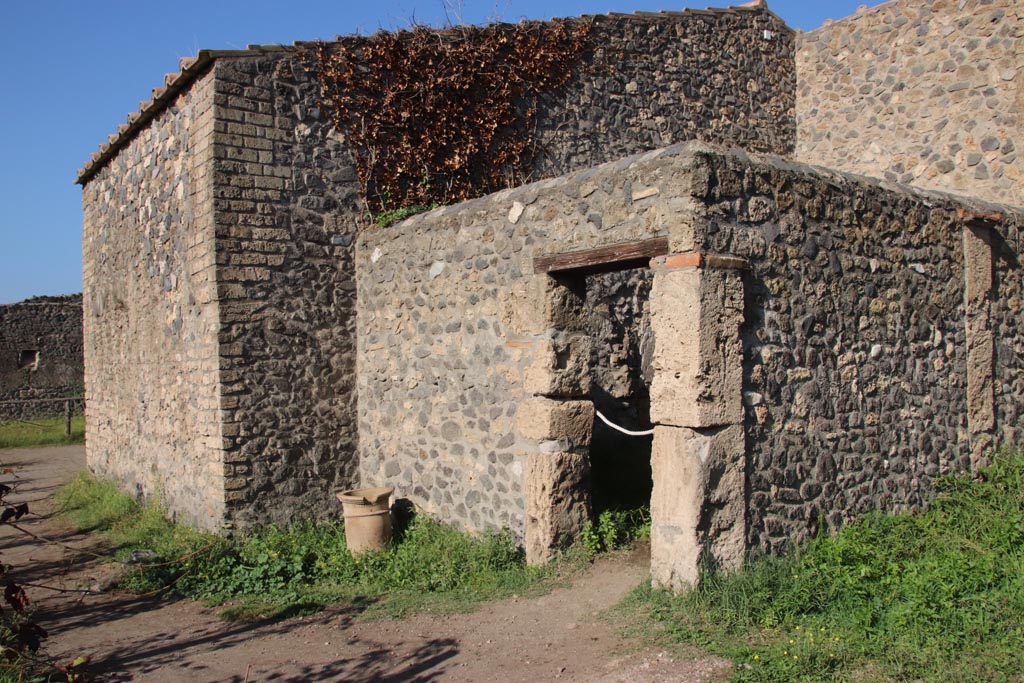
(659, 343)
(620, 371)
(598, 311)
(621, 345)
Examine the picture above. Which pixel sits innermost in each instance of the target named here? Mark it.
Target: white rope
(621, 429)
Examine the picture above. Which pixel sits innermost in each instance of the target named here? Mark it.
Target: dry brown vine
(437, 116)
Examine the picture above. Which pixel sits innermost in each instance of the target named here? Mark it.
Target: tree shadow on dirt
(177, 655)
(426, 664)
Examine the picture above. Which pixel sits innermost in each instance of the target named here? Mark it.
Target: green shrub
(936, 596)
(306, 564)
(386, 218)
(615, 529)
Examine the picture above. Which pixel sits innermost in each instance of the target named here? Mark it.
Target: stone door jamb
(698, 504)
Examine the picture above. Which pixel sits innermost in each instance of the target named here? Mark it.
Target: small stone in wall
(798, 374)
(436, 268)
(644, 194)
(515, 212)
(759, 209)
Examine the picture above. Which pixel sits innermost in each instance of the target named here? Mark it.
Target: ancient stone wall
(287, 209)
(273, 201)
(225, 240)
(926, 92)
(723, 76)
(150, 314)
(455, 334)
(860, 370)
(855, 335)
(1007, 319)
(41, 352)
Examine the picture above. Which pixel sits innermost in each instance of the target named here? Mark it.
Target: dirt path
(558, 637)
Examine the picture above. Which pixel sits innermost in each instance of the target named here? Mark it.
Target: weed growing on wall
(936, 596)
(386, 218)
(444, 115)
(287, 571)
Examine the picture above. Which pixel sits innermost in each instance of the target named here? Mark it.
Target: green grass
(41, 432)
(283, 572)
(936, 596)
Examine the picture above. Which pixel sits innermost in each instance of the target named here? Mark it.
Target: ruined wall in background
(452, 331)
(150, 314)
(855, 341)
(41, 352)
(925, 92)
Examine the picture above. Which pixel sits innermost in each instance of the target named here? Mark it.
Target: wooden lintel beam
(601, 256)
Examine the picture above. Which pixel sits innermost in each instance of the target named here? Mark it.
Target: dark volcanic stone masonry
(854, 342)
(720, 76)
(286, 212)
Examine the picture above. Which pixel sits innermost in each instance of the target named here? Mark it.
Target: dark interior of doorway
(621, 346)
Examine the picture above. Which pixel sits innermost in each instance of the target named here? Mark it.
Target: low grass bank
(937, 596)
(41, 432)
(282, 572)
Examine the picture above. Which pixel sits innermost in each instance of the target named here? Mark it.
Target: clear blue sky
(75, 68)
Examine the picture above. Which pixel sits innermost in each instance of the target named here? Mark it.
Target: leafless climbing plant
(444, 115)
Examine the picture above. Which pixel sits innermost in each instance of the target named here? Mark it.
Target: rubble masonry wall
(924, 92)
(150, 314)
